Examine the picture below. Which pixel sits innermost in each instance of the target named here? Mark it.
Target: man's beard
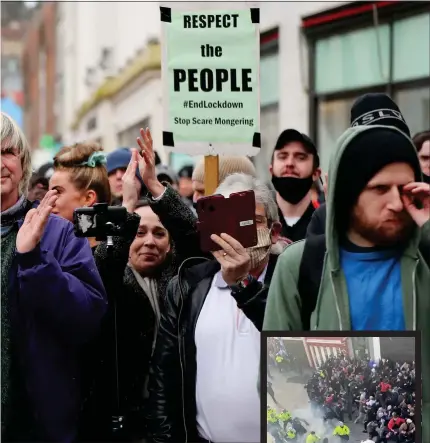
(387, 234)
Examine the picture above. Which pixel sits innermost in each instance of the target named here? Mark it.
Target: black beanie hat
(363, 158)
(377, 109)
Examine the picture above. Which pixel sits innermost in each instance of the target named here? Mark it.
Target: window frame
(405, 86)
(269, 45)
(386, 15)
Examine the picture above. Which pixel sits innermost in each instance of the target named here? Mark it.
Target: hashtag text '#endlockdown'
(212, 105)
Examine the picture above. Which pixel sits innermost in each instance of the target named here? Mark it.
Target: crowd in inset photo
(380, 395)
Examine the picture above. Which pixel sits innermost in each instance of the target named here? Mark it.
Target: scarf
(150, 288)
(13, 214)
(9, 231)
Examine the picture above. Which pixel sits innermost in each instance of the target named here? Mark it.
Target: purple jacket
(57, 303)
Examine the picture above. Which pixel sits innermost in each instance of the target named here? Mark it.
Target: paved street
(291, 394)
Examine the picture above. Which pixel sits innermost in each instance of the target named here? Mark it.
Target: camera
(100, 221)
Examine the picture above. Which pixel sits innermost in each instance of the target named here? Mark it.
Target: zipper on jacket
(414, 297)
(336, 301)
(182, 371)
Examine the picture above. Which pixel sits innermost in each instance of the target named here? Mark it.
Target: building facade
(12, 46)
(312, 352)
(283, 95)
(284, 75)
(322, 348)
(108, 78)
(124, 103)
(316, 59)
(39, 75)
(366, 47)
(320, 56)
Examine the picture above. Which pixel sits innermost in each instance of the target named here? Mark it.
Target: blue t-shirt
(374, 285)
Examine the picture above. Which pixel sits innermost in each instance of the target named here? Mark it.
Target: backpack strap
(310, 273)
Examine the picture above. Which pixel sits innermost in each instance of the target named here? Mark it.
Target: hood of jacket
(332, 236)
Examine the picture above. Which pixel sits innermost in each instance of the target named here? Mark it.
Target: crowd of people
(145, 335)
(381, 395)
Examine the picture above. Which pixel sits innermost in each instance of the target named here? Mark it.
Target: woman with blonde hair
(80, 178)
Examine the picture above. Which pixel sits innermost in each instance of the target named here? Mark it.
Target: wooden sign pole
(211, 174)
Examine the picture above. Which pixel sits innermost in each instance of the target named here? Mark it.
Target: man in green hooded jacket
(376, 272)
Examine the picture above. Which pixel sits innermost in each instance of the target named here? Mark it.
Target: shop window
(353, 60)
(334, 117)
(269, 79)
(411, 51)
(333, 120)
(415, 107)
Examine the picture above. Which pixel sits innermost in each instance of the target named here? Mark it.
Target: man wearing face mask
(294, 169)
(215, 311)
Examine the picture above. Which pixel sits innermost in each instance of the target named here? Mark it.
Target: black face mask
(426, 178)
(292, 189)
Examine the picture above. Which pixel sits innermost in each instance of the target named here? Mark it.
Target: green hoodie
(332, 309)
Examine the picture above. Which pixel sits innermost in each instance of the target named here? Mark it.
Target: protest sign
(210, 76)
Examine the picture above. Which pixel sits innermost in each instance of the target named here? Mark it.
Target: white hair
(240, 182)
(12, 136)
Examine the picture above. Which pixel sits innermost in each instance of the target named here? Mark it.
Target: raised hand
(413, 193)
(147, 163)
(234, 259)
(35, 221)
(130, 194)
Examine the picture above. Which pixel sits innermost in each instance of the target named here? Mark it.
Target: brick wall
(40, 36)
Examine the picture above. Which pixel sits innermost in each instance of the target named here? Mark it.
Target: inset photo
(337, 389)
